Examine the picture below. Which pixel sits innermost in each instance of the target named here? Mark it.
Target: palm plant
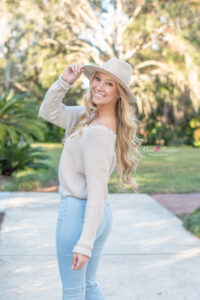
(18, 117)
(19, 156)
(19, 126)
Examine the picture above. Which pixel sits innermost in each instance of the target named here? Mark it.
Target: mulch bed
(179, 204)
(50, 186)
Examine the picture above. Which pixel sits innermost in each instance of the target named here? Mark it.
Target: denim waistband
(71, 196)
(83, 200)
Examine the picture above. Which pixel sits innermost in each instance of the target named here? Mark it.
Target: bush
(19, 156)
(18, 117)
(195, 127)
(192, 222)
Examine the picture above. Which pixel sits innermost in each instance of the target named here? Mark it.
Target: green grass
(171, 170)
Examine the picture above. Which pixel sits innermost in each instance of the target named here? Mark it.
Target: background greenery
(170, 170)
(160, 39)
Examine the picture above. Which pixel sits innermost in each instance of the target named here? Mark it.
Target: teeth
(99, 95)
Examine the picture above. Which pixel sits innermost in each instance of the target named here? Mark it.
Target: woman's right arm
(52, 109)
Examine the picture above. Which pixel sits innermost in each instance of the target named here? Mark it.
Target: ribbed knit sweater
(86, 163)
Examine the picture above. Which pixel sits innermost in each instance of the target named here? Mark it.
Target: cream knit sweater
(86, 163)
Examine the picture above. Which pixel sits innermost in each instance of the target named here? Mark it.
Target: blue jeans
(79, 284)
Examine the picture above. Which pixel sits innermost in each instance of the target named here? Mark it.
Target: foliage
(32, 179)
(161, 126)
(53, 134)
(160, 39)
(19, 156)
(18, 118)
(157, 132)
(192, 222)
(195, 127)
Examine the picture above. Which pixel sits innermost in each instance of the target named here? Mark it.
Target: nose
(99, 86)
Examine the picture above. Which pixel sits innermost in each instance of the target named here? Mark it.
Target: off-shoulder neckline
(102, 126)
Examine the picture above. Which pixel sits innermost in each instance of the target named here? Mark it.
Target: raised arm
(53, 110)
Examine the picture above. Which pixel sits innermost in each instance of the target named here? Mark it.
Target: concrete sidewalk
(149, 254)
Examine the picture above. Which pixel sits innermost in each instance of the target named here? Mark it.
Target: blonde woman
(99, 136)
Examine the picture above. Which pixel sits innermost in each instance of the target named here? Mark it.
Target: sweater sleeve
(54, 111)
(97, 156)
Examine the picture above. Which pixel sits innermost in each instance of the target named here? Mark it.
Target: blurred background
(160, 39)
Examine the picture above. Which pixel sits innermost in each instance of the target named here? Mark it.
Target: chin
(96, 100)
(98, 103)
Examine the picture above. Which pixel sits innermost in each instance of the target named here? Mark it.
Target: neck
(104, 113)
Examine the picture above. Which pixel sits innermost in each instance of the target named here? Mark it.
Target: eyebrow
(107, 79)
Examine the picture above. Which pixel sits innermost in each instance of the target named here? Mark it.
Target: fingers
(74, 261)
(77, 68)
(72, 72)
(79, 261)
(78, 265)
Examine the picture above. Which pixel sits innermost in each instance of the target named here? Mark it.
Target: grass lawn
(173, 169)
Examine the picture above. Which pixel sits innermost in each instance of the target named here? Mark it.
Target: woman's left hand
(79, 260)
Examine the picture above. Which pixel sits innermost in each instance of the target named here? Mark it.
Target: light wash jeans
(79, 284)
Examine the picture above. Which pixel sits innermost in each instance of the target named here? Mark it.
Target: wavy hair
(127, 143)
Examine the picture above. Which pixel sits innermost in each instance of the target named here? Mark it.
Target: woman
(97, 136)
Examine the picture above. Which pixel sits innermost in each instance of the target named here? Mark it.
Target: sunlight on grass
(48, 146)
(24, 172)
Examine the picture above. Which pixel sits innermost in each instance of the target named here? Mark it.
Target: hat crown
(119, 68)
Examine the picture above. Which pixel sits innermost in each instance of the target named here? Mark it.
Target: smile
(99, 95)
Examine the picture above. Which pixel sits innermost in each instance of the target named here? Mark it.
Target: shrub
(19, 156)
(18, 117)
(192, 222)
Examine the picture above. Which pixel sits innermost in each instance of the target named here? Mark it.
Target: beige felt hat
(118, 69)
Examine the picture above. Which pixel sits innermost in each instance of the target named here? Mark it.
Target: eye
(97, 78)
(110, 84)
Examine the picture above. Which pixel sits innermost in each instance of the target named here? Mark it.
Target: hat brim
(89, 70)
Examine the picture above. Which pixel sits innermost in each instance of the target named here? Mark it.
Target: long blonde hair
(127, 143)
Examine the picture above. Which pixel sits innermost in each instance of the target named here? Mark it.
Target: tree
(160, 39)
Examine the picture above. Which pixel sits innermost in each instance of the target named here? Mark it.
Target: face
(104, 89)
